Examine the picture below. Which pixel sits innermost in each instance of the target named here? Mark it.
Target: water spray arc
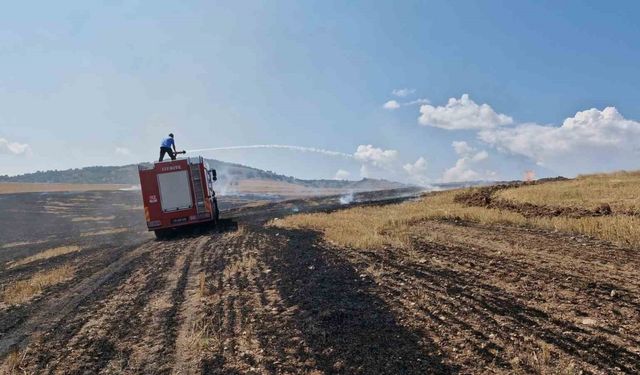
(284, 147)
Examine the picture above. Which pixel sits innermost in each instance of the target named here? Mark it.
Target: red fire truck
(178, 193)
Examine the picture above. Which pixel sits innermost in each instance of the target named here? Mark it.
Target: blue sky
(100, 84)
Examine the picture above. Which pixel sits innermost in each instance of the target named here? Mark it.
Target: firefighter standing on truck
(165, 147)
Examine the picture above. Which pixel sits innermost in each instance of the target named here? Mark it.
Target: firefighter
(165, 147)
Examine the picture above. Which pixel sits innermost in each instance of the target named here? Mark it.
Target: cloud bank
(376, 156)
(417, 171)
(462, 113)
(592, 140)
(465, 168)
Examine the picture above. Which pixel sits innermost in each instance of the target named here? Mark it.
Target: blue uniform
(167, 142)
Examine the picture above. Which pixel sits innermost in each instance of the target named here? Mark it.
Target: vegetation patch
(93, 218)
(619, 190)
(378, 226)
(22, 291)
(21, 243)
(51, 253)
(104, 232)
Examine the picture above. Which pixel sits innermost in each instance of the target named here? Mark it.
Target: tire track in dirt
(231, 329)
(154, 351)
(232, 304)
(184, 361)
(90, 340)
(54, 310)
(145, 341)
(86, 263)
(129, 324)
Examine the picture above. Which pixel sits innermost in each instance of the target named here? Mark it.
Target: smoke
(226, 182)
(131, 188)
(14, 148)
(285, 147)
(347, 198)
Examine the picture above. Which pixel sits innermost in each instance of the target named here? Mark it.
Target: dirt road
(248, 298)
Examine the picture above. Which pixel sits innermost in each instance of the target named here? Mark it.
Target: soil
(248, 298)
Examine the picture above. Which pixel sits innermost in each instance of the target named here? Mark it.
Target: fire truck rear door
(175, 191)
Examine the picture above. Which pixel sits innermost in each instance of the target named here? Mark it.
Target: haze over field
(418, 92)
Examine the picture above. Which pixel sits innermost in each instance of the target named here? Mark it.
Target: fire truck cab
(177, 193)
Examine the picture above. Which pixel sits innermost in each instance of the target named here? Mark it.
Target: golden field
(620, 190)
(378, 226)
(19, 187)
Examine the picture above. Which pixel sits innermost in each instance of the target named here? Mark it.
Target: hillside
(229, 175)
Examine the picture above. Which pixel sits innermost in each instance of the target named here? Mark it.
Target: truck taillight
(146, 213)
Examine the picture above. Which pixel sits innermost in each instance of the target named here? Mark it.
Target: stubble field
(445, 283)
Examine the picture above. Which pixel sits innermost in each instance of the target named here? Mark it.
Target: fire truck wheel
(216, 215)
(161, 234)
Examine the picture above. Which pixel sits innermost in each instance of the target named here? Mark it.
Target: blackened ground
(246, 298)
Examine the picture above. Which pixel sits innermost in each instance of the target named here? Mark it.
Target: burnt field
(256, 296)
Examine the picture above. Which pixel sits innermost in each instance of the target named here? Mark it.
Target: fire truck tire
(217, 212)
(161, 234)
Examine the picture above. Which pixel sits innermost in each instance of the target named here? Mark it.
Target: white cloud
(465, 168)
(123, 151)
(417, 101)
(403, 92)
(480, 156)
(394, 104)
(417, 171)
(13, 148)
(462, 148)
(462, 113)
(460, 172)
(341, 174)
(592, 140)
(376, 156)
(391, 105)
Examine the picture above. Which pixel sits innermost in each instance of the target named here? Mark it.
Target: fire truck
(178, 193)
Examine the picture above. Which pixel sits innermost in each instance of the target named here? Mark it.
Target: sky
(413, 91)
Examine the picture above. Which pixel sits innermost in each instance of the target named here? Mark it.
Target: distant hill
(228, 173)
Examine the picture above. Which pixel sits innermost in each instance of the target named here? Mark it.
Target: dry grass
(368, 227)
(55, 252)
(378, 226)
(546, 360)
(13, 363)
(12, 187)
(93, 218)
(104, 232)
(202, 285)
(22, 243)
(621, 190)
(246, 263)
(21, 291)
(202, 336)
